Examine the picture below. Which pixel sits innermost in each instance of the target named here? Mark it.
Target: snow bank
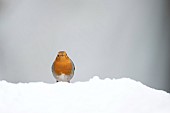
(95, 96)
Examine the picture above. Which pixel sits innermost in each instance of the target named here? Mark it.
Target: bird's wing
(73, 67)
(52, 68)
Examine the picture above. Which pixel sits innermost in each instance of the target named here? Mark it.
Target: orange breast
(63, 67)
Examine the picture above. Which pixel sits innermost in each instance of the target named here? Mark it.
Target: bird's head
(62, 55)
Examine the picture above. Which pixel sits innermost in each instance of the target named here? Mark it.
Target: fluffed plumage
(63, 68)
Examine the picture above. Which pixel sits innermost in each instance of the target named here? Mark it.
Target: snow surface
(94, 96)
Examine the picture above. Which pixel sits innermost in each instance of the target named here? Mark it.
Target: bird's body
(63, 67)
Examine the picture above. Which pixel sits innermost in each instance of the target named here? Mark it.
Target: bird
(63, 67)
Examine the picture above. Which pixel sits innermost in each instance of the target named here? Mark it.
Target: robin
(63, 67)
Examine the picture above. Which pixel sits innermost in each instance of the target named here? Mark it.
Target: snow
(94, 96)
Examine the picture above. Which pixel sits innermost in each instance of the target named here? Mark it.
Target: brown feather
(63, 64)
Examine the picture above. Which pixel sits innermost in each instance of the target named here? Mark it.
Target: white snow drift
(95, 96)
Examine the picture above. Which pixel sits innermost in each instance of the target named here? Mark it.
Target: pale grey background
(106, 38)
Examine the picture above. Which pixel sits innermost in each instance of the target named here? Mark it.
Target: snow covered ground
(94, 96)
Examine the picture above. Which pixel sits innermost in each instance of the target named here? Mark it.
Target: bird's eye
(57, 55)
